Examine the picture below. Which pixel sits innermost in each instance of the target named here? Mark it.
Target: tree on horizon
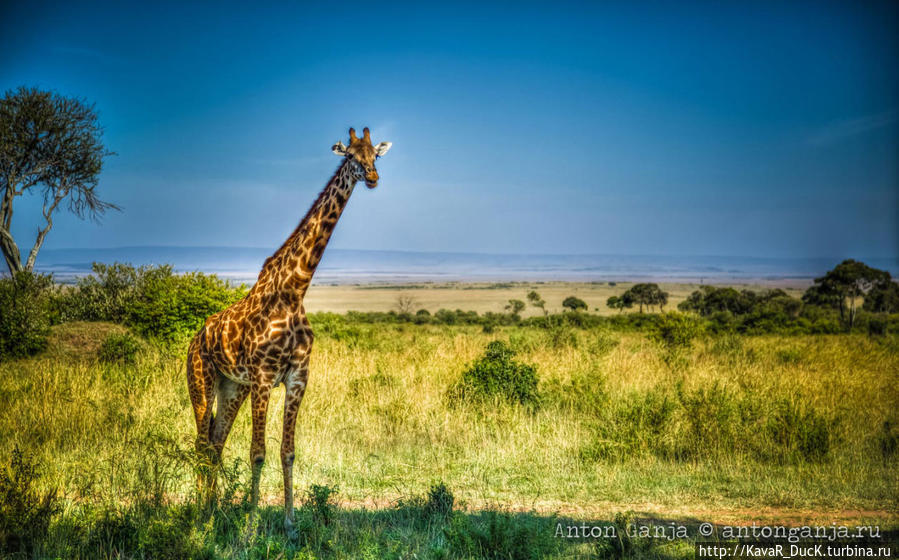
(842, 286)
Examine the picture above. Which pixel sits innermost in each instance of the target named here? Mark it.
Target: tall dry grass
(801, 422)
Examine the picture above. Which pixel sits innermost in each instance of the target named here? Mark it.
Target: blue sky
(690, 128)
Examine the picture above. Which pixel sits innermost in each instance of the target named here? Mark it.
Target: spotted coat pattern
(265, 339)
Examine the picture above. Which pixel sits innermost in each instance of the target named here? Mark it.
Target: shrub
(319, 502)
(574, 303)
(170, 307)
(877, 325)
(24, 314)
(153, 300)
(422, 317)
(24, 513)
(105, 295)
(168, 537)
(440, 501)
(119, 348)
(421, 512)
(496, 375)
(675, 331)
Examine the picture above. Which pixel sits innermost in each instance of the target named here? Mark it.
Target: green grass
(798, 427)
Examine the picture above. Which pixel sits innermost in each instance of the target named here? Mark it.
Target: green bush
(102, 296)
(169, 536)
(170, 307)
(676, 331)
(319, 503)
(496, 375)
(25, 311)
(153, 300)
(24, 513)
(119, 348)
(439, 502)
(574, 303)
(765, 312)
(877, 325)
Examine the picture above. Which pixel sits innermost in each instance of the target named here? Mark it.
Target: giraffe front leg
(259, 395)
(293, 389)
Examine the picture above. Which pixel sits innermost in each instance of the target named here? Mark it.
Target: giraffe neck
(289, 271)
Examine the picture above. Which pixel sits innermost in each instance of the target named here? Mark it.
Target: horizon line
(486, 254)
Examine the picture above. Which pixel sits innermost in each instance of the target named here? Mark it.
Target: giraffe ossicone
(265, 339)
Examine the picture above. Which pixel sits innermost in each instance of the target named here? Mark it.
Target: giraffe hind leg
(201, 384)
(229, 397)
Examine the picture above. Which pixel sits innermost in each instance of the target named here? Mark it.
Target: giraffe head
(361, 155)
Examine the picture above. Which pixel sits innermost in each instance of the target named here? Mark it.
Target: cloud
(839, 130)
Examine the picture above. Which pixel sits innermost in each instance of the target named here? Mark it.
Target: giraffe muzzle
(371, 179)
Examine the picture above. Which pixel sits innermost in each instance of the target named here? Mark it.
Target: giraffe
(265, 339)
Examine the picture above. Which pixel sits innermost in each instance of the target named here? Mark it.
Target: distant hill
(352, 266)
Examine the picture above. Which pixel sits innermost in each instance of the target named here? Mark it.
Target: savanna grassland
(405, 452)
(493, 296)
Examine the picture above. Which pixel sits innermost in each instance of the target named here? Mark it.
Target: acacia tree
(515, 306)
(842, 286)
(537, 301)
(51, 146)
(574, 303)
(619, 303)
(648, 294)
(883, 298)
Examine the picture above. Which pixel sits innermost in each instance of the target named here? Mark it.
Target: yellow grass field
(737, 430)
(483, 297)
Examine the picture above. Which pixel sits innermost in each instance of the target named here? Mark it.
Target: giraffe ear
(382, 148)
(339, 148)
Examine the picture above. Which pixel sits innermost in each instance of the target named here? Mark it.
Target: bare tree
(405, 303)
(52, 146)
